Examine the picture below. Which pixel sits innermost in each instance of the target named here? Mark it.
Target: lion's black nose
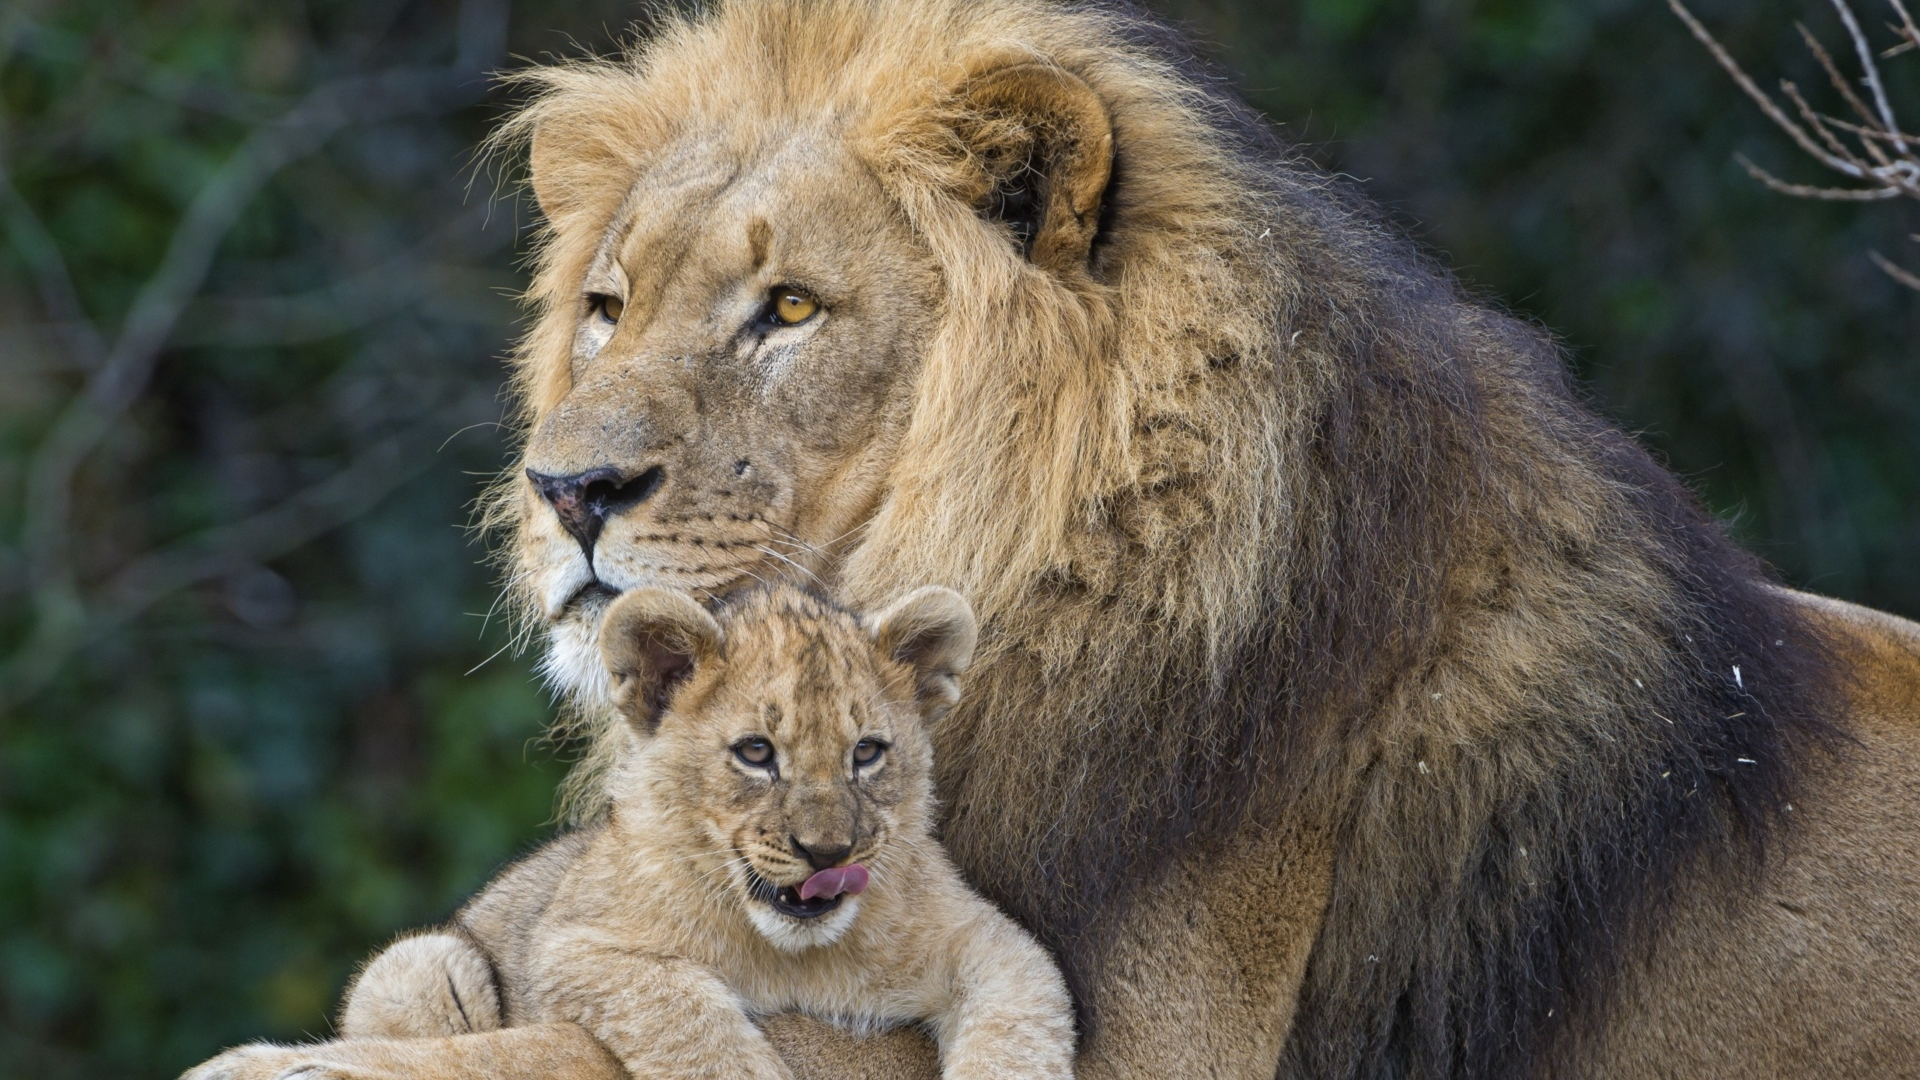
(584, 501)
(819, 856)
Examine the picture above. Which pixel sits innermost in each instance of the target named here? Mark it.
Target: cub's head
(789, 737)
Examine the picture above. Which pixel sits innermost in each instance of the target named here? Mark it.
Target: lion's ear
(651, 641)
(586, 136)
(571, 165)
(1046, 143)
(931, 630)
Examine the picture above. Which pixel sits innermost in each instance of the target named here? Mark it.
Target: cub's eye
(792, 307)
(755, 751)
(867, 751)
(606, 306)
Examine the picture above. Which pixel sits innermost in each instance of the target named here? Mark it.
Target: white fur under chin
(572, 666)
(789, 934)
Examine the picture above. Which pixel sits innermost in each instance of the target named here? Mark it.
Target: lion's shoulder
(1879, 648)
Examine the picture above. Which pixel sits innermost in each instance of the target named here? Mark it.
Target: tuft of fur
(1262, 516)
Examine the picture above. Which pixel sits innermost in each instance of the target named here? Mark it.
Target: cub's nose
(584, 501)
(819, 855)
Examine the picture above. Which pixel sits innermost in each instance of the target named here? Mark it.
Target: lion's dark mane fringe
(1444, 465)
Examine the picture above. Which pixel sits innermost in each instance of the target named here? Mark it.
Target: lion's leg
(423, 986)
(539, 1052)
(1207, 969)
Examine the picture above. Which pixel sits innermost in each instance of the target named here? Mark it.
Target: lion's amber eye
(867, 751)
(607, 307)
(791, 306)
(756, 751)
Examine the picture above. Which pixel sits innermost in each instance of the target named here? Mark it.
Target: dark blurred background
(253, 298)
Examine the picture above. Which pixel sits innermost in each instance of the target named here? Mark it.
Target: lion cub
(768, 850)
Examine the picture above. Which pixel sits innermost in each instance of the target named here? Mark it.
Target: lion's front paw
(264, 1061)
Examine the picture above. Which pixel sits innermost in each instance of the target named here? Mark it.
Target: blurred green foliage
(251, 719)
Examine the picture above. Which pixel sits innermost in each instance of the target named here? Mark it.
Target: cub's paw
(423, 986)
(264, 1061)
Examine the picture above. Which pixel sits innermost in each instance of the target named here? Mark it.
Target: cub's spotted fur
(767, 850)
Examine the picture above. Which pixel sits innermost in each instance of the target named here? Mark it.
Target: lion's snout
(584, 501)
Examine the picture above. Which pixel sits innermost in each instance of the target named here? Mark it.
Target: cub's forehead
(796, 657)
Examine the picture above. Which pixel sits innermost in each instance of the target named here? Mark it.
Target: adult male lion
(1352, 701)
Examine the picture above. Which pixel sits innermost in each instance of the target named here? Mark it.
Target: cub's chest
(862, 996)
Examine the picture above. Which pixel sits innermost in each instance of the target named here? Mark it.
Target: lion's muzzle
(584, 501)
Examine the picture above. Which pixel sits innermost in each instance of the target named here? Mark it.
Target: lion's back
(1815, 968)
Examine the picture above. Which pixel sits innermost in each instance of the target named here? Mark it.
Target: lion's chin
(572, 665)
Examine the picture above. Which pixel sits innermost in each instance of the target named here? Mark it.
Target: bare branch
(1871, 70)
(1834, 77)
(1906, 28)
(1904, 277)
(1819, 122)
(346, 495)
(1894, 168)
(144, 333)
(1806, 191)
(1839, 82)
(29, 237)
(1760, 97)
(1856, 130)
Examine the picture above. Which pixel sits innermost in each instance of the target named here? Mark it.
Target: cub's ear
(651, 640)
(1044, 138)
(932, 630)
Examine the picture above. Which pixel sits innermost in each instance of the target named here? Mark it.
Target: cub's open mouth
(812, 898)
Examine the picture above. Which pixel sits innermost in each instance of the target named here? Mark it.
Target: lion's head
(787, 738)
(1256, 509)
(738, 307)
(739, 370)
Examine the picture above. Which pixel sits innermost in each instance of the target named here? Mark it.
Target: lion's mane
(1263, 516)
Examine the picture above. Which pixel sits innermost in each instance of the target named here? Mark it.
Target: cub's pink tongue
(835, 880)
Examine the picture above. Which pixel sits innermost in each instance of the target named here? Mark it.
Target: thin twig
(1760, 97)
(1905, 30)
(122, 378)
(1807, 191)
(1904, 277)
(347, 494)
(1871, 70)
(1834, 77)
(1818, 123)
(1894, 169)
